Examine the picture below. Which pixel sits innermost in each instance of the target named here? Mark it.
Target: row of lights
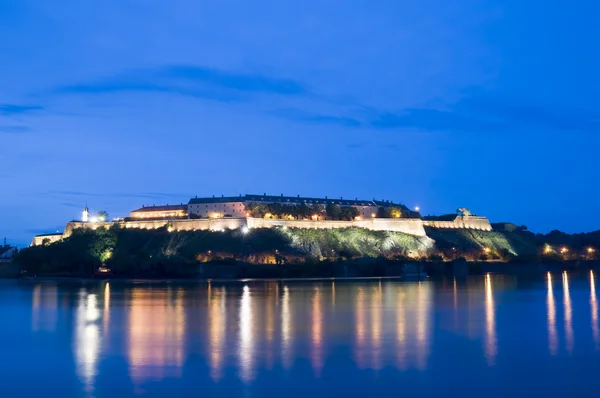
(565, 250)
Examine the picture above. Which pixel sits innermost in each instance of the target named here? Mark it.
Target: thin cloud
(488, 114)
(14, 129)
(189, 80)
(311, 118)
(142, 195)
(357, 145)
(12, 109)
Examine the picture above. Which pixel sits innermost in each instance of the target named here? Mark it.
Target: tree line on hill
(316, 211)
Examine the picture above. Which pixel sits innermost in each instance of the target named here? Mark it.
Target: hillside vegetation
(135, 252)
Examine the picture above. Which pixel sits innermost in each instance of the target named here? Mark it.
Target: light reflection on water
(552, 333)
(236, 334)
(594, 310)
(490, 322)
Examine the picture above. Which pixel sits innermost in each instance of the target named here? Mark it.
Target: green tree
(317, 210)
(333, 211)
(393, 212)
(349, 213)
(256, 210)
(101, 216)
(303, 211)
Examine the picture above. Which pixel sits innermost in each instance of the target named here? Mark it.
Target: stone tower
(85, 216)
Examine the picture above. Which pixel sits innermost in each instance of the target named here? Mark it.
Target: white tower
(85, 215)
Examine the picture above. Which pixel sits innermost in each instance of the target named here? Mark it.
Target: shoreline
(407, 271)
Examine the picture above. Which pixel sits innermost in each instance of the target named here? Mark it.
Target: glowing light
(487, 249)
(564, 250)
(417, 208)
(245, 230)
(590, 250)
(373, 215)
(547, 249)
(94, 219)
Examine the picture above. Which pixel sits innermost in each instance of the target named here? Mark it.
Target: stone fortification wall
(214, 224)
(410, 226)
(464, 222)
(38, 240)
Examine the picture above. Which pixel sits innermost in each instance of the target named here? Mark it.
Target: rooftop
(293, 200)
(161, 208)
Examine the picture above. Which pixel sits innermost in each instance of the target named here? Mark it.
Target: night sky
(486, 104)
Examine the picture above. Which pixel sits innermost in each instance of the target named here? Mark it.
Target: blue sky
(485, 104)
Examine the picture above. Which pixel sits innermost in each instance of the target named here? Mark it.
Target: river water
(491, 336)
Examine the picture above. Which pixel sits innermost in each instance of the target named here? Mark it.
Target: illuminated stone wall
(466, 222)
(38, 240)
(410, 226)
(214, 224)
(406, 225)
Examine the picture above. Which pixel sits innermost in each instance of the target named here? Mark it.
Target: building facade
(235, 206)
(159, 212)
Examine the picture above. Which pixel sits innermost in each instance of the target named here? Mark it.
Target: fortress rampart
(465, 222)
(412, 226)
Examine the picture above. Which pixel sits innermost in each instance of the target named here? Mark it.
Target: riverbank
(9, 270)
(355, 269)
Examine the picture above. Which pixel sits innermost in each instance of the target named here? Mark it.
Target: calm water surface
(484, 336)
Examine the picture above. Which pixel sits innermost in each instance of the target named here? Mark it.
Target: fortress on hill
(266, 211)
